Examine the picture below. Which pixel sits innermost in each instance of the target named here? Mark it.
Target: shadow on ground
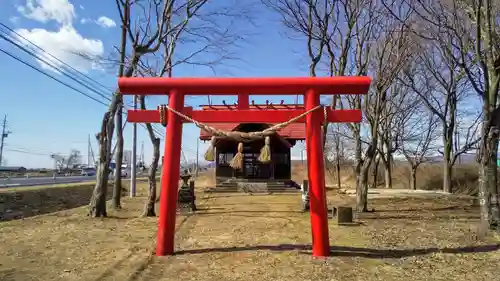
(351, 251)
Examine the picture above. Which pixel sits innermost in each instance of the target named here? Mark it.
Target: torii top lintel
(254, 86)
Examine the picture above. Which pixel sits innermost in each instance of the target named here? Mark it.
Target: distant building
(5, 169)
(127, 156)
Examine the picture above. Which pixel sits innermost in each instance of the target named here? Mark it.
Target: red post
(316, 175)
(243, 102)
(170, 177)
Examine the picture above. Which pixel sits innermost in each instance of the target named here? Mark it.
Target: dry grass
(58, 185)
(242, 237)
(39, 187)
(429, 177)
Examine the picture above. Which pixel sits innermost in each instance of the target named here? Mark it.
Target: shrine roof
(252, 106)
(296, 131)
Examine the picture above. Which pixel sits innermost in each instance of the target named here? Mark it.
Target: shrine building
(279, 168)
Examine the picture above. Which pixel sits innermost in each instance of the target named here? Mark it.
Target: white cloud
(105, 22)
(101, 21)
(81, 7)
(65, 43)
(61, 11)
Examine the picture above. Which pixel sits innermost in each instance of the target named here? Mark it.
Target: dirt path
(243, 237)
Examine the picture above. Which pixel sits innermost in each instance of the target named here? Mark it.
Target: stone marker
(344, 215)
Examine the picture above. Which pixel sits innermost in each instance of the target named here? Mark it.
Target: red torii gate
(177, 88)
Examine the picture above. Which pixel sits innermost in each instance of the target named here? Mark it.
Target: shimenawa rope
(237, 161)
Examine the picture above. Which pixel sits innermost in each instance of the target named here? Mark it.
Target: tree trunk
(362, 179)
(484, 197)
(161, 178)
(375, 172)
(362, 190)
(447, 177)
(337, 159)
(488, 190)
(413, 178)
(149, 208)
(360, 199)
(107, 129)
(493, 187)
(447, 165)
(388, 172)
(117, 188)
(97, 205)
(388, 162)
(337, 166)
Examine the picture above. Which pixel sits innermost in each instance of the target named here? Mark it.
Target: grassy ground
(60, 185)
(429, 176)
(259, 237)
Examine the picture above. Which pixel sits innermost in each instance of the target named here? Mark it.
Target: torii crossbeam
(310, 87)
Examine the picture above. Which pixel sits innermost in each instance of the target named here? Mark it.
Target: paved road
(18, 182)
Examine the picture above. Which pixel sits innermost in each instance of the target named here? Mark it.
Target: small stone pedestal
(342, 215)
(186, 198)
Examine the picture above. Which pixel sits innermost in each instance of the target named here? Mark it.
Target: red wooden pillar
(316, 176)
(170, 177)
(243, 102)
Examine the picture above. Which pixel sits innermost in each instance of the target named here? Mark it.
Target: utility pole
(4, 135)
(134, 155)
(89, 152)
(142, 154)
(197, 157)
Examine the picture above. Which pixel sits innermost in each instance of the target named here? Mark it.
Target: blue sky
(46, 117)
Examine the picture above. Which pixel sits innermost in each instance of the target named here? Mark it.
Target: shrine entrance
(312, 113)
(278, 168)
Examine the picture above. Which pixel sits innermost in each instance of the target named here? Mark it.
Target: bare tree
(320, 23)
(124, 8)
(358, 39)
(149, 208)
(67, 162)
(348, 50)
(390, 55)
(337, 138)
(310, 20)
(342, 29)
(395, 108)
(418, 133)
(472, 31)
(214, 37)
(143, 37)
(441, 84)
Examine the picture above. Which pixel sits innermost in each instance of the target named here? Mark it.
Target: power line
(64, 71)
(27, 152)
(54, 57)
(15, 147)
(50, 76)
(58, 69)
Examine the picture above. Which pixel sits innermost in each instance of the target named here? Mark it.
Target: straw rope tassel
(265, 152)
(237, 161)
(210, 153)
(239, 135)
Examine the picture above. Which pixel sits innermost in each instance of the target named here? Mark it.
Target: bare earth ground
(259, 237)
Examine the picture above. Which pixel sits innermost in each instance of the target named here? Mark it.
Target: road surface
(18, 182)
